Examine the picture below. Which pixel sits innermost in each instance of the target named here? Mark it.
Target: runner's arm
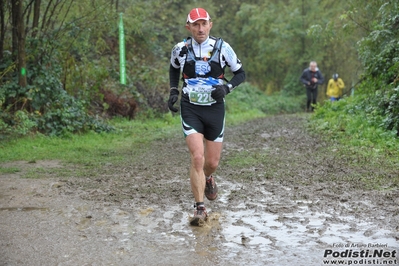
(238, 78)
(229, 57)
(174, 76)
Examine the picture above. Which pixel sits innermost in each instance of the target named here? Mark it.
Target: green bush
(248, 97)
(19, 124)
(379, 54)
(43, 105)
(352, 121)
(68, 115)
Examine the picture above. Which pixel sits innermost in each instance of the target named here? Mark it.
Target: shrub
(247, 97)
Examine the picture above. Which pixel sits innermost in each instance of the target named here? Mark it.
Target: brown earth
(287, 197)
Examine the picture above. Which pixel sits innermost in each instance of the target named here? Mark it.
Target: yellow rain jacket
(334, 88)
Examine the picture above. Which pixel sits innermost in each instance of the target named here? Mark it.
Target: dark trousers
(311, 94)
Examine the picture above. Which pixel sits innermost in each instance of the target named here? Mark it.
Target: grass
(351, 126)
(84, 154)
(89, 147)
(9, 170)
(248, 98)
(244, 159)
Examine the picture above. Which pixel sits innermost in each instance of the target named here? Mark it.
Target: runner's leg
(213, 151)
(195, 143)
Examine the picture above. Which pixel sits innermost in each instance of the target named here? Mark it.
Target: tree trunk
(14, 22)
(36, 16)
(2, 28)
(20, 34)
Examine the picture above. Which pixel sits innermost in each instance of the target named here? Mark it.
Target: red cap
(197, 14)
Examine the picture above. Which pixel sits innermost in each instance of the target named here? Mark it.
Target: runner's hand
(219, 92)
(173, 96)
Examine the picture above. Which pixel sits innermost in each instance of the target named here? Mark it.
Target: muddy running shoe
(200, 216)
(211, 190)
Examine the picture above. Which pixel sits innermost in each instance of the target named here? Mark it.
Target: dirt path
(286, 198)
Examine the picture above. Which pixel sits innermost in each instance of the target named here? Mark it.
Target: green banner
(122, 55)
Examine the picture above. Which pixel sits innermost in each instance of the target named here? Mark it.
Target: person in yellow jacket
(335, 87)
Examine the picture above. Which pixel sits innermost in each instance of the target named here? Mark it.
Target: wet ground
(286, 198)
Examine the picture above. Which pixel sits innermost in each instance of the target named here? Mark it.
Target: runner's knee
(211, 165)
(197, 160)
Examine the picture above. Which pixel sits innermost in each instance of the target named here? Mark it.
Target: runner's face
(200, 29)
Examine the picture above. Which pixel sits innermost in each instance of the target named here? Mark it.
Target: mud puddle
(75, 232)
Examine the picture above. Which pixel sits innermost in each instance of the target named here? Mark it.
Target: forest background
(59, 61)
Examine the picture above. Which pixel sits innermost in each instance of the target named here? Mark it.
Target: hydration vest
(191, 65)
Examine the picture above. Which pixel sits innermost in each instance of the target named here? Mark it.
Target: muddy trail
(286, 197)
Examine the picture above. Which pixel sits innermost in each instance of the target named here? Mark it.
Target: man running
(202, 60)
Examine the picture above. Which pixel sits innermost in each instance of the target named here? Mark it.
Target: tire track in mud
(286, 205)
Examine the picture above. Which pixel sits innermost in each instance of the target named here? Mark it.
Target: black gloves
(173, 96)
(219, 92)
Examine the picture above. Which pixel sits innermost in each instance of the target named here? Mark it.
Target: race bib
(201, 95)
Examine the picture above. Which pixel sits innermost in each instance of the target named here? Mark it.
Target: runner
(202, 60)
